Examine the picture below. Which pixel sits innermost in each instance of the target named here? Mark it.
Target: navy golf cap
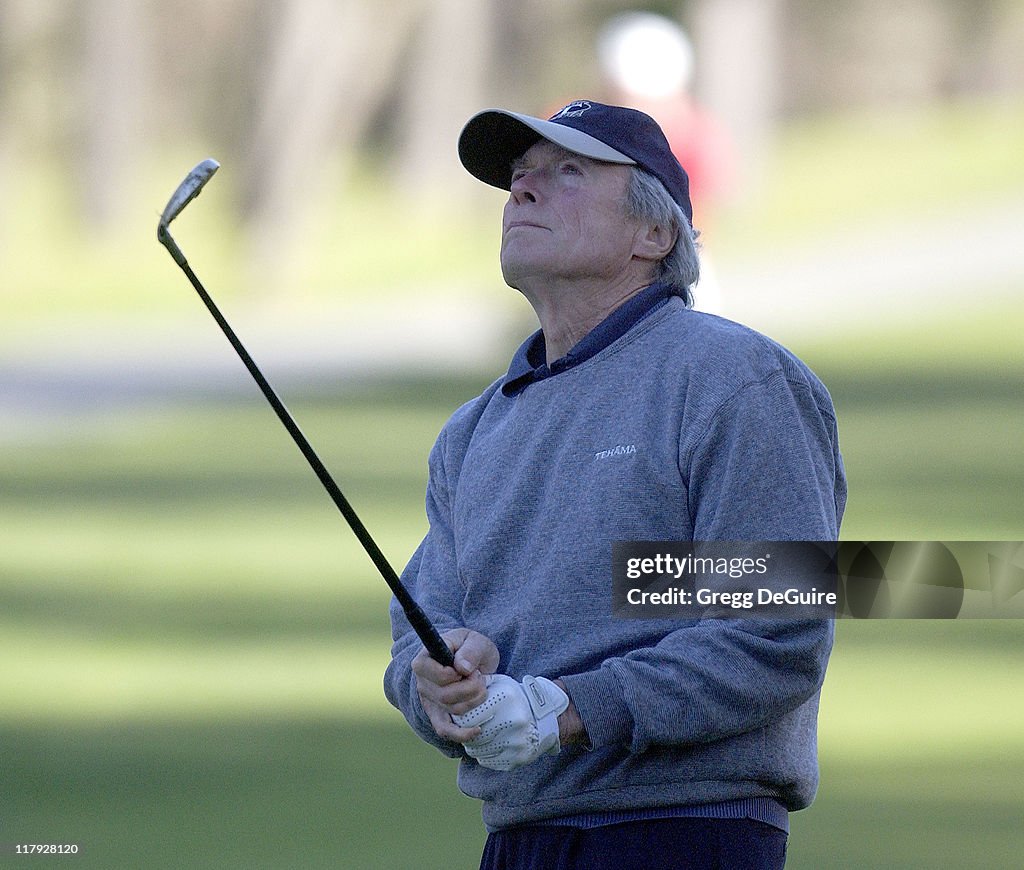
(492, 139)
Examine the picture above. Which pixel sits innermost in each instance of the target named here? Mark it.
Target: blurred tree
(34, 111)
(872, 52)
(6, 69)
(544, 52)
(33, 106)
(112, 96)
(330, 65)
(452, 37)
(281, 88)
(738, 44)
(988, 51)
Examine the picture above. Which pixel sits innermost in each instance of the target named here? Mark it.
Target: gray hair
(648, 200)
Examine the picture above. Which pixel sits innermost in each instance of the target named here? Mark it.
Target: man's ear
(654, 242)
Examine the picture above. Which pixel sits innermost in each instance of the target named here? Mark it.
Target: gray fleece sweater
(725, 435)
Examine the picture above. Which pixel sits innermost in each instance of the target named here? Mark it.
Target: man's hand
(517, 723)
(446, 692)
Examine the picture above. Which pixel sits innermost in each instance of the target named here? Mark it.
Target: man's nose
(524, 187)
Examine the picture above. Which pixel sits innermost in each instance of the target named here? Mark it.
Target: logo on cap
(573, 110)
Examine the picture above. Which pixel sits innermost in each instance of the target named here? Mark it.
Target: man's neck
(567, 314)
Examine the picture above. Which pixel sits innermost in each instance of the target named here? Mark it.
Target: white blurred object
(707, 294)
(645, 55)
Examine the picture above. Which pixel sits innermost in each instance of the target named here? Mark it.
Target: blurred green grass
(838, 171)
(192, 643)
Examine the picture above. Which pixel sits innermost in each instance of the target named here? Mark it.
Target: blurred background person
(647, 62)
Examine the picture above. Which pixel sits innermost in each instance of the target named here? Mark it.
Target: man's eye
(571, 168)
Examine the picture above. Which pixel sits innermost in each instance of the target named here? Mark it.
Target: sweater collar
(529, 363)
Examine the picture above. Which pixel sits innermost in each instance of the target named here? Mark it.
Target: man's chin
(513, 273)
(514, 283)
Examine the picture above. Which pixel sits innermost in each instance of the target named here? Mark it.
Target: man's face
(565, 219)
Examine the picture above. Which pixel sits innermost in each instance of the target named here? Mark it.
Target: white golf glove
(518, 722)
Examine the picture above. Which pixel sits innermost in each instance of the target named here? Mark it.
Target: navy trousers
(654, 844)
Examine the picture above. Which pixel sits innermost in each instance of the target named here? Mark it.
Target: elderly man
(594, 741)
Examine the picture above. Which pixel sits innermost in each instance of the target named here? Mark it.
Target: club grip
(427, 633)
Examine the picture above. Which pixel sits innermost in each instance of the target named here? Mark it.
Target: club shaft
(420, 622)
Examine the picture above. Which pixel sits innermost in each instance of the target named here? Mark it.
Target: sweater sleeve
(432, 579)
(765, 468)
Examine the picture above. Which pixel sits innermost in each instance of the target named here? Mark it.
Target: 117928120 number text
(45, 848)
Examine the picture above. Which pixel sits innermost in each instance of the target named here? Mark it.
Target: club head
(188, 190)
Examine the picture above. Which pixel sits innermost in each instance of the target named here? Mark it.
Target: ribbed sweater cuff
(598, 699)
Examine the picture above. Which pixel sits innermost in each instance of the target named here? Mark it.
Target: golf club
(186, 192)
